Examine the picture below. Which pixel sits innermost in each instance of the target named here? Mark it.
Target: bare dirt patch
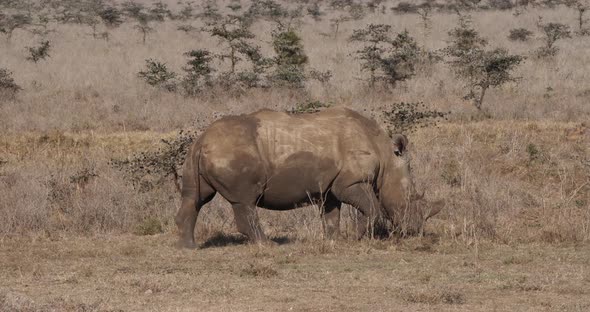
(139, 273)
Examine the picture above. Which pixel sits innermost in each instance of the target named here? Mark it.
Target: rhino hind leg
(247, 222)
(331, 218)
(186, 218)
(362, 197)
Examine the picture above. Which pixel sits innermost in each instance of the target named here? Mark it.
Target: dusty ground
(146, 273)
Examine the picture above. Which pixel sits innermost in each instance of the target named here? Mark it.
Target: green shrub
(520, 34)
(39, 52)
(198, 72)
(290, 60)
(386, 59)
(8, 87)
(111, 17)
(533, 152)
(157, 74)
(159, 11)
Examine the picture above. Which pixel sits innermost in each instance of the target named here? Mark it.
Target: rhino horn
(420, 196)
(435, 208)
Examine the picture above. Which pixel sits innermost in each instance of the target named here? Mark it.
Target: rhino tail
(191, 172)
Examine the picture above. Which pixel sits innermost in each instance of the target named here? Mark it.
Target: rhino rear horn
(400, 143)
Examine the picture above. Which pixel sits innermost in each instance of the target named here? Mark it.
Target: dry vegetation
(75, 231)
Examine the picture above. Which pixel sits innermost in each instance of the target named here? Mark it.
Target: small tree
(210, 12)
(143, 25)
(133, 9)
(356, 11)
(198, 71)
(400, 63)
(268, 9)
(314, 11)
(276, 13)
(480, 69)
(335, 24)
(552, 33)
(112, 18)
(187, 11)
(159, 11)
(581, 6)
(234, 32)
(376, 38)
(158, 75)
(290, 60)
(39, 52)
(386, 59)
(425, 16)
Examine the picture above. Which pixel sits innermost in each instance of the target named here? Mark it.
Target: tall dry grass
(85, 106)
(503, 181)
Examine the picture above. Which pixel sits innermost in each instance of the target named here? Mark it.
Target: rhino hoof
(187, 244)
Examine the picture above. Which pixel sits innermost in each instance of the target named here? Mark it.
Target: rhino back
(290, 157)
(304, 154)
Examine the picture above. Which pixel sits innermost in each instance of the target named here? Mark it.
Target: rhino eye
(397, 153)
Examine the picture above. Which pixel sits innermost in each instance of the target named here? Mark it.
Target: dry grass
(76, 235)
(97, 79)
(496, 185)
(138, 273)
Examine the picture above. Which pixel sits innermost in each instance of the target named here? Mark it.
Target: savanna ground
(76, 234)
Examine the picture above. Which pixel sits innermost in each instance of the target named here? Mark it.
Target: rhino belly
(289, 188)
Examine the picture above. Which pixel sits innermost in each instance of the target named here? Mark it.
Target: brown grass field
(76, 235)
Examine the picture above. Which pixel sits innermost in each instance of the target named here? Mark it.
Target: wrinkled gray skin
(279, 161)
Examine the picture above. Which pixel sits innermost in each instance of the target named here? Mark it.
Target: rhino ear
(400, 143)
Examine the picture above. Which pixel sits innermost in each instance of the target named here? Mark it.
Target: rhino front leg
(362, 197)
(247, 222)
(331, 218)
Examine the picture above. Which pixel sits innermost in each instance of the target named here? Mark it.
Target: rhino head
(407, 209)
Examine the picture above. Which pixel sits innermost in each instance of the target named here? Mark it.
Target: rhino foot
(186, 244)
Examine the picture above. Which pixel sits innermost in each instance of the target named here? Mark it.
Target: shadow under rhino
(279, 161)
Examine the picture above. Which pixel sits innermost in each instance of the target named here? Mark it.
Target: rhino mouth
(410, 220)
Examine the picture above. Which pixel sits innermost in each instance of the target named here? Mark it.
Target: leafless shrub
(150, 168)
